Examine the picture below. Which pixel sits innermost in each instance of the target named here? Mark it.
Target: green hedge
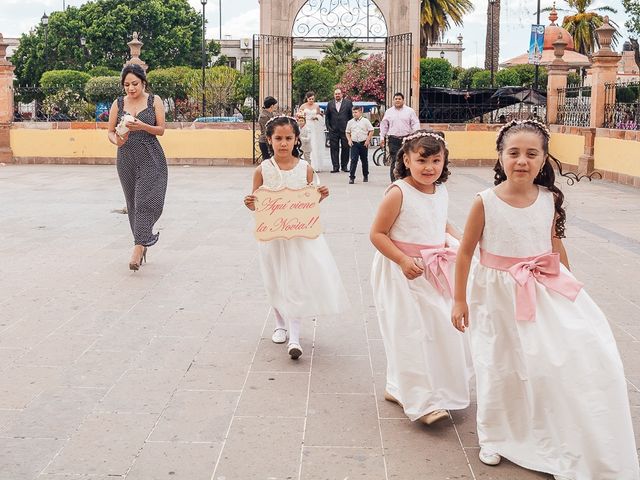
(435, 72)
(54, 81)
(103, 89)
(171, 82)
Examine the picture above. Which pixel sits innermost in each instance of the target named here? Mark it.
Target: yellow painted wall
(471, 145)
(567, 148)
(621, 156)
(177, 143)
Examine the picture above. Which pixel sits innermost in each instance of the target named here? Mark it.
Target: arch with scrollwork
(340, 18)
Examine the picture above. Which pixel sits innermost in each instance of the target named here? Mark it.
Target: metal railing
(574, 106)
(622, 106)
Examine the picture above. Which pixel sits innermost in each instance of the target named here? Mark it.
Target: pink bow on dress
(437, 263)
(544, 269)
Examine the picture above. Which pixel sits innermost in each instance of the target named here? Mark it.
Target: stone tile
(9, 355)
(174, 353)
(25, 458)
(175, 461)
(19, 385)
(416, 451)
(327, 463)
(279, 441)
(225, 371)
(230, 337)
(340, 340)
(272, 357)
(56, 413)
(190, 324)
(195, 416)
(341, 374)
(141, 391)
(505, 471)
(98, 368)
(342, 420)
(274, 394)
(57, 350)
(105, 444)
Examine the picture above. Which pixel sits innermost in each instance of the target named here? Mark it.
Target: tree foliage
(341, 52)
(435, 72)
(170, 29)
(309, 75)
(436, 17)
(220, 91)
(55, 80)
(365, 80)
(481, 79)
(103, 89)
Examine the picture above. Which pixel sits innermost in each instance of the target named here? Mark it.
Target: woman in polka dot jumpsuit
(142, 166)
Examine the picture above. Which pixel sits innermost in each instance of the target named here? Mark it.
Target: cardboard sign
(287, 213)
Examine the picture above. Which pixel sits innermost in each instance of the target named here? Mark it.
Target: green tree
(341, 52)
(582, 23)
(481, 79)
(465, 80)
(632, 9)
(507, 77)
(170, 29)
(435, 72)
(436, 17)
(220, 91)
(309, 75)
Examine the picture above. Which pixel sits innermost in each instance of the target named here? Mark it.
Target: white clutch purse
(121, 128)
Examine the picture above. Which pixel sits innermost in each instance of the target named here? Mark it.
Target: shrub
(103, 89)
(626, 95)
(65, 104)
(103, 72)
(310, 75)
(435, 72)
(365, 80)
(171, 82)
(221, 85)
(465, 80)
(507, 78)
(481, 79)
(54, 81)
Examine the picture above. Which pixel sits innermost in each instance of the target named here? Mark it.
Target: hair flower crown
(416, 135)
(280, 116)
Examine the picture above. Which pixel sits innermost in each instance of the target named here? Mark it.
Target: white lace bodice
(274, 179)
(310, 114)
(423, 216)
(517, 232)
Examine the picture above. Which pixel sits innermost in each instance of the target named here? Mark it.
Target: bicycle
(381, 156)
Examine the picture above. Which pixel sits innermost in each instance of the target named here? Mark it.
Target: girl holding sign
(300, 274)
(428, 365)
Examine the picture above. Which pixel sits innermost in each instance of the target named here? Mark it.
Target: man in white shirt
(397, 123)
(359, 132)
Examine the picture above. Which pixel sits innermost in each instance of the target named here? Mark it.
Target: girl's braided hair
(546, 177)
(279, 121)
(427, 143)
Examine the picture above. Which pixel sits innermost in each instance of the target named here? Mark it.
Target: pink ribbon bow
(437, 263)
(544, 269)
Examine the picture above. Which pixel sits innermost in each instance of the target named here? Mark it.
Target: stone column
(6, 103)
(603, 71)
(135, 46)
(558, 70)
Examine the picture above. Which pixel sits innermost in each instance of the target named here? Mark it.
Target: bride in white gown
(315, 124)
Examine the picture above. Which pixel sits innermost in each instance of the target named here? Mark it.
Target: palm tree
(492, 40)
(342, 52)
(582, 23)
(435, 18)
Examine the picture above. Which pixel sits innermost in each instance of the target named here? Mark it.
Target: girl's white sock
(294, 330)
(279, 319)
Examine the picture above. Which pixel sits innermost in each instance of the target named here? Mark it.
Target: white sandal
(279, 335)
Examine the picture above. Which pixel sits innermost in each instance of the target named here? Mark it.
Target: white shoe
(279, 335)
(560, 477)
(488, 457)
(295, 351)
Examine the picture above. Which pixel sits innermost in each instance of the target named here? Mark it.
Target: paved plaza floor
(170, 373)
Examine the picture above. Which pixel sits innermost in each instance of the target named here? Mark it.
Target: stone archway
(277, 18)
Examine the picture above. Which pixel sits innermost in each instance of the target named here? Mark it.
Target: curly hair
(426, 145)
(546, 177)
(282, 121)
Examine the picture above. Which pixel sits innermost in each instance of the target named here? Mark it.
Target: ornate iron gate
(399, 67)
(274, 77)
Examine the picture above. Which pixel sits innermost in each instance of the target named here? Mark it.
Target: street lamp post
(220, 16)
(442, 54)
(204, 102)
(492, 3)
(45, 22)
(536, 77)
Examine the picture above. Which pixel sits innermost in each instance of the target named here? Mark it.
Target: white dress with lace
(300, 274)
(552, 395)
(315, 125)
(428, 361)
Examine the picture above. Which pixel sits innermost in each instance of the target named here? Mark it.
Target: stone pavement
(169, 373)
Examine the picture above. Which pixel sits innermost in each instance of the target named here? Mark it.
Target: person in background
(268, 111)
(397, 123)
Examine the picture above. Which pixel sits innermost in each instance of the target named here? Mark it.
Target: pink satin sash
(544, 269)
(437, 259)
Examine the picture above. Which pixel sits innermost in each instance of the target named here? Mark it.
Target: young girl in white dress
(300, 274)
(428, 365)
(314, 118)
(551, 390)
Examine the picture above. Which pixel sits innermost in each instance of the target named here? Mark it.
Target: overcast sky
(240, 18)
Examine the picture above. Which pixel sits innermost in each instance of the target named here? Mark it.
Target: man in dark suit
(336, 118)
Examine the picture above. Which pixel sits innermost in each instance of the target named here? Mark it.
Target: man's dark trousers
(336, 142)
(395, 144)
(359, 150)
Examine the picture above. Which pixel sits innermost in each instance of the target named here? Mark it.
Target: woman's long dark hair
(546, 177)
(280, 122)
(137, 70)
(426, 146)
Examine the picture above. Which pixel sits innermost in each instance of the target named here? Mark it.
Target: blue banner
(536, 44)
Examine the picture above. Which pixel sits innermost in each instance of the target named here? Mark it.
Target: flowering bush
(365, 80)
(65, 105)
